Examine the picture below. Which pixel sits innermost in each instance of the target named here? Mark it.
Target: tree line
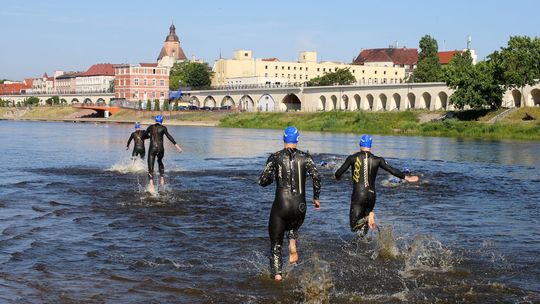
(481, 85)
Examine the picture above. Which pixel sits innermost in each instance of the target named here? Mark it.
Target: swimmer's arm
(316, 178)
(129, 140)
(169, 136)
(395, 172)
(146, 133)
(267, 176)
(344, 167)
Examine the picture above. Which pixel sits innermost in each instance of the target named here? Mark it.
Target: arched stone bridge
(80, 98)
(384, 97)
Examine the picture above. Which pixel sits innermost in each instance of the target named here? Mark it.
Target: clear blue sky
(42, 36)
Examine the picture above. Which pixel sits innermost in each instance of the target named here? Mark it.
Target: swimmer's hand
(317, 204)
(178, 148)
(412, 178)
(371, 220)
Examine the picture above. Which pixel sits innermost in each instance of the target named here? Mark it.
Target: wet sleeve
(146, 134)
(343, 168)
(315, 176)
(395, 172)
(129, 140)
(267, 176)
(169, 136)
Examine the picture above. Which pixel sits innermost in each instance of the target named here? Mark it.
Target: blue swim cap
(137, 125)
(159, 118)
(291, 135)
(366, 141)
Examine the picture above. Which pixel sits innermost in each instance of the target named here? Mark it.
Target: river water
(76, 225)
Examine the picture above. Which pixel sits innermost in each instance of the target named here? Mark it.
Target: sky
(44, 36)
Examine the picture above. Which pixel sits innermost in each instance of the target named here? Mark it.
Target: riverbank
(467, 124)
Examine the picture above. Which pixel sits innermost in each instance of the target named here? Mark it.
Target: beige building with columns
(243, 69)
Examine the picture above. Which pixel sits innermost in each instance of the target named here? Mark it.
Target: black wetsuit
(155, 132)
(138, 149)
(364, 167)
(289, 168)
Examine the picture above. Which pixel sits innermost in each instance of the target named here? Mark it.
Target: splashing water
(316, 281)
(386, 247)
(428, 254)
(128, 165)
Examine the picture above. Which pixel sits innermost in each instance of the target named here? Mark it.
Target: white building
(97, 78)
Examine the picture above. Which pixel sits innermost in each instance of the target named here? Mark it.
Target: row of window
(300, 76)
(137, 95)
(141, 71)
(123, 82)
(323, 69)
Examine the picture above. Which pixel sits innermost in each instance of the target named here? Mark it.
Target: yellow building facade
(243, 69)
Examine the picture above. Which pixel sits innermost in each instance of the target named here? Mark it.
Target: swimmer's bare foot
(293, 254)
(278, 277)
(151, 187)
(162, 181)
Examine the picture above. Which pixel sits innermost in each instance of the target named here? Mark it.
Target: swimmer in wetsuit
(137, 138)
(289, 168)
(364, 171)
(156, 132)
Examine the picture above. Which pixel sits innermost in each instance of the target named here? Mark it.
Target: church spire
(172, 34)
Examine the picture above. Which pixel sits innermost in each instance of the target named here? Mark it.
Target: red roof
(14, 88)
(399, 56)
(148, 65)
(100, 69)
(270, 59)
(445, 57)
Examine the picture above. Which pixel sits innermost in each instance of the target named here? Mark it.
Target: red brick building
(145, 81)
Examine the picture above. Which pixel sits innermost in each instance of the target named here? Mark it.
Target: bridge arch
(63, 101)
(227, 101)
(426, 99)
(195, 101)
(75, 100)
(381, 105)
(334, 103)
(395, 103)
(266, 103)
(291, 102)
(87, 101)
(369, 99)
(442, 101)
(345, 102)
(210, 102)
(411, 101)
(516, 96)
(322, 103)
(357, 102)
(100, 101)
(535, 97)
(247, 103)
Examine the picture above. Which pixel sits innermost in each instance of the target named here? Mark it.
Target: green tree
(166, 105)
(139, 107)
(32, 101)
(475, 86)
(338, 77)
(148, 105)
(156, 104)
(189, 74)
(519, 62)
(428, 68)
(175, 107)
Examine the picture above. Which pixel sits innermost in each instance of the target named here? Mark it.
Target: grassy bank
(468, 124)
(392, 123)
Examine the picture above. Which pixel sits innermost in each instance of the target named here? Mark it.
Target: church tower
(171, 52)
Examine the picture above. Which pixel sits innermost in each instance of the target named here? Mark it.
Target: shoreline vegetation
(473, 124)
